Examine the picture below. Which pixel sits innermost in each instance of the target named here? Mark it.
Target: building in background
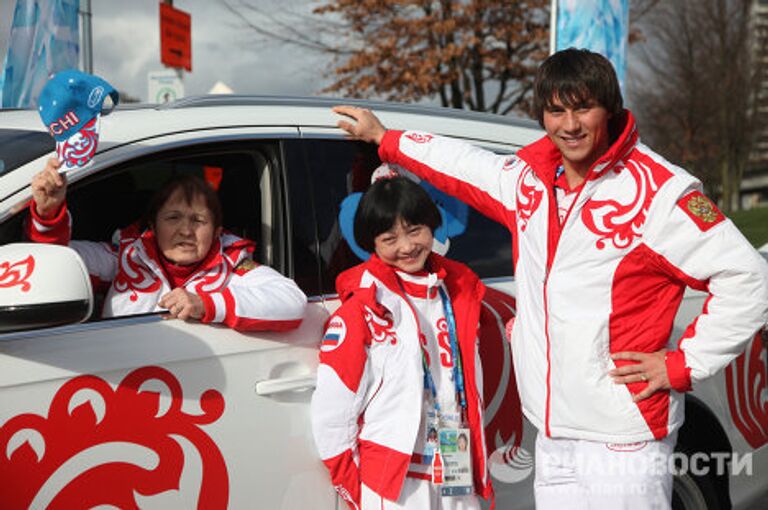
(754, 187)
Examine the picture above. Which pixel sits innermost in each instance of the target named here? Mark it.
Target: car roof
(140, 121)
(233, 116)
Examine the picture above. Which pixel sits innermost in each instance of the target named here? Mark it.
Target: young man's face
(580, 132)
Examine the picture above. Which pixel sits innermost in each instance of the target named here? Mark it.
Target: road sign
(164, 86)
(175, 37)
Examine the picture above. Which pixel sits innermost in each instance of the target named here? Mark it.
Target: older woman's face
(184, 231)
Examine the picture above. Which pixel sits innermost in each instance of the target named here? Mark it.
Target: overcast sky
(126, 46)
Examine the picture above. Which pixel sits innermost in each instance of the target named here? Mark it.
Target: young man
(606, 237)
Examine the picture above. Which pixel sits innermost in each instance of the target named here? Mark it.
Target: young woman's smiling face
(404, 246)
(184, 231)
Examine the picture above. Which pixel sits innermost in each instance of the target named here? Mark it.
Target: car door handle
(284, 384)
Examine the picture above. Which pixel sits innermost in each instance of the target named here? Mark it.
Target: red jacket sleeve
(56, 230)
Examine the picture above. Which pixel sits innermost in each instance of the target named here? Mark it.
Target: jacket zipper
(547, 271)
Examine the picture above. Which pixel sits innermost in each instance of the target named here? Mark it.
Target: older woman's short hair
(191, 186)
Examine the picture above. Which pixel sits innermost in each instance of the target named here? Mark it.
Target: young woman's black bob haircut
(576, 77)
(191, 186)
(386, 201)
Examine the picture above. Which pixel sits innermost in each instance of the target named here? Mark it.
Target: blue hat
(70, 105)
(453, 212)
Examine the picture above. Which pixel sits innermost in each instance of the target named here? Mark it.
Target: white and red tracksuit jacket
(367, 407)
(235, 290)
(609, 279)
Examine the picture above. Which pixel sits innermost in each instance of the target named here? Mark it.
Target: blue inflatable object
(453, 213)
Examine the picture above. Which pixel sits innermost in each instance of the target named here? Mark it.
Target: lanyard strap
(458, 372)
(458, 369)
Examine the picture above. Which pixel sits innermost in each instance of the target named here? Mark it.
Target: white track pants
(590, 475)
(417, 495)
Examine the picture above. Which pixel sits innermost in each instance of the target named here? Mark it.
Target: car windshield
(18, 147)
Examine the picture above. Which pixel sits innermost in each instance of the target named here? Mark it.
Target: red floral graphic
(17, 273)
(503, 412)
(133, 276)
(509, 164)
(79, 149)
(380, 327)
(419, 138)
(118, 447)
(745, 380)
(621, 222)
(444, 342)
(529, 193)
(215, 279)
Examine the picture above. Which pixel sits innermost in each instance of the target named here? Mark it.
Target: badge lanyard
(458, 372)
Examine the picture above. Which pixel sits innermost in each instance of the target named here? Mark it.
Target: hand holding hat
(70, 105)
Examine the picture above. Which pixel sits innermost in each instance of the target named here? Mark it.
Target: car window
(338, 168)
(18, 147)
(485, 246)
(236, 171)
(302, 226)
(242, 173)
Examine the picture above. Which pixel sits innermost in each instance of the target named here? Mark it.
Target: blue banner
(44, 39)
(598, 25)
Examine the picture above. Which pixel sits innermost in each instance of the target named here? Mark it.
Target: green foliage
(753, 224)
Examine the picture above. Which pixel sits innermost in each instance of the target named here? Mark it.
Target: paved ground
(761, 504)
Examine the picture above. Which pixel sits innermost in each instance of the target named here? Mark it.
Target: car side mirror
(42, 285)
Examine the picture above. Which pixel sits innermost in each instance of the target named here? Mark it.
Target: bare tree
(697, 94)
(474, 54)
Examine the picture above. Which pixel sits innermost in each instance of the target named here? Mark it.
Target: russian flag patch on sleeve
(334, 334)
(701, 210)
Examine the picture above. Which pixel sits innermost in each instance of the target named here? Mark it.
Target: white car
(142, 412)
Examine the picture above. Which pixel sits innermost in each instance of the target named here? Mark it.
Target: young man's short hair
(574, 77)
(386, 201)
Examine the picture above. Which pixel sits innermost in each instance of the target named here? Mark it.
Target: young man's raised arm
(482, 179)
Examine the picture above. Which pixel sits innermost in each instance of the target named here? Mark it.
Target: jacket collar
(544, 157)
(457, 277)
(226, 247)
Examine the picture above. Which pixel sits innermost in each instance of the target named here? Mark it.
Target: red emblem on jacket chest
(620, 220)
(133, 276)
(529, 195)
(380, 327)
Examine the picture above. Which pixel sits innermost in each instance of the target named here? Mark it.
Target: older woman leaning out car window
(180, 261)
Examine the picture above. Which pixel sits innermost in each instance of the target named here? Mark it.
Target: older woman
(183, 262)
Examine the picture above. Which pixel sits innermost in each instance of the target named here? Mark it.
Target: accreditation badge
(431, 440)
(456, 460)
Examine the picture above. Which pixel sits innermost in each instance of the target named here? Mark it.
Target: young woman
(183, 262)
(399, 375)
